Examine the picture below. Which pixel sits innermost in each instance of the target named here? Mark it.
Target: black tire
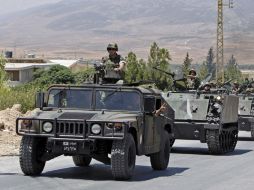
(159, 160)
(213, 140)
(82, 161)
(31, 149)
(221, 143)
(123, 158)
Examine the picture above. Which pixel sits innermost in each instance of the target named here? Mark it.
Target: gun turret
(106, 74)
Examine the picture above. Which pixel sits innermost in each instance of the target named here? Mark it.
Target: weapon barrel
(168, 73)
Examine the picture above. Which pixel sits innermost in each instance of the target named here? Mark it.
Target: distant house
(69, 63)
(74, 65)
(20, 73)
(248, 74)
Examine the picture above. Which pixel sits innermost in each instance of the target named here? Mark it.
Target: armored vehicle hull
(209, 118)
(93, 122)
(246, 114)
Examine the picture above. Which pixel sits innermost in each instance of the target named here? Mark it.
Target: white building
(20, 73)
(69, 63)
(248, 74)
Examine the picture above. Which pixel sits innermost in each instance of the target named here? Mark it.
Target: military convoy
(112, 123)
(108, 123)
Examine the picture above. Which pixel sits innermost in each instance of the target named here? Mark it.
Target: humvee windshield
(70, 98)
(117, 100)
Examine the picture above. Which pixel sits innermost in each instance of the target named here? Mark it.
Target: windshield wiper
(112, 93)
(62, 90)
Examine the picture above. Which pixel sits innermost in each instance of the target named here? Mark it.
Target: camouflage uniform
(236, 88)
(111, 63)
(193, 81)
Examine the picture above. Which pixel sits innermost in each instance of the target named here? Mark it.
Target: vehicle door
(149, 129)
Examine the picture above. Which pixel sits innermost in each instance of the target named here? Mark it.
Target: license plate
(69, 146)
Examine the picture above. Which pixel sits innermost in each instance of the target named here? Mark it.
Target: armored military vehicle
(108, 123)
(246, 113)
(209, 116)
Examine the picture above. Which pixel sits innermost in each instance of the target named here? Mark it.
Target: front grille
(70, 128)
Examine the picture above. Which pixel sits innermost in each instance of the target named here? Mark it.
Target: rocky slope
(84, 27)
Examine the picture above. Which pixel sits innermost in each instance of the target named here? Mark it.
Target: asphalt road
(191, 167)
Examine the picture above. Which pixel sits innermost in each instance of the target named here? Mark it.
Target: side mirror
(39, 100)
(149, 104)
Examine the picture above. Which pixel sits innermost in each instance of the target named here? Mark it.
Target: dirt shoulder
(9, 141)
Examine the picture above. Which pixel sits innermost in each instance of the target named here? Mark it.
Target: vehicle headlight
(96, 129)
(47, 127)
(218, 98)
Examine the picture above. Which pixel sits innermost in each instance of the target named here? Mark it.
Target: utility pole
(220, 40)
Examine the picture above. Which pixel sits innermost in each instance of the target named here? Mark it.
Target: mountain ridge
(82, 28)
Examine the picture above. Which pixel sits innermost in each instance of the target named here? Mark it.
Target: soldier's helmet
(235, 83)
(192, 71)
(208, 84)
(113, 46)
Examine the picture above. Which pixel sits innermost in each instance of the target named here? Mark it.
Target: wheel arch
(133, 132)
(169, 128)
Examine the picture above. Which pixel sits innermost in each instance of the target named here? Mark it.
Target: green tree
(133, 70)
(203, 71)
(160, 58)
(84, 75)
(143, 71)
(232, 70)
(3, 75)
(186, 65)
(57, 74)
(211, 66)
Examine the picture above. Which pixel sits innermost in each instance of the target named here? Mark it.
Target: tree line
(137, 70)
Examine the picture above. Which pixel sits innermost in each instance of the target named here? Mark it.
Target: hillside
(82, 28)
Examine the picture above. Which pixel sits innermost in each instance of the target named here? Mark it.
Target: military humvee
(108, 123)
(246, 113)
(210, 117)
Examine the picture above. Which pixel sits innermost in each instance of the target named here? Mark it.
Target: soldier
(193, 81)
(207, 87)
(113, 62)
(115, 59)
(235, 88)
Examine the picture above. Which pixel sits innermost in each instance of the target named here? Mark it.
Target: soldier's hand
(163, 107)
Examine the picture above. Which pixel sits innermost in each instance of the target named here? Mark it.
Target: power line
(220, 40)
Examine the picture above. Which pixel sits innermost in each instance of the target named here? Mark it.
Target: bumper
(71, 147)
(245, 122)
